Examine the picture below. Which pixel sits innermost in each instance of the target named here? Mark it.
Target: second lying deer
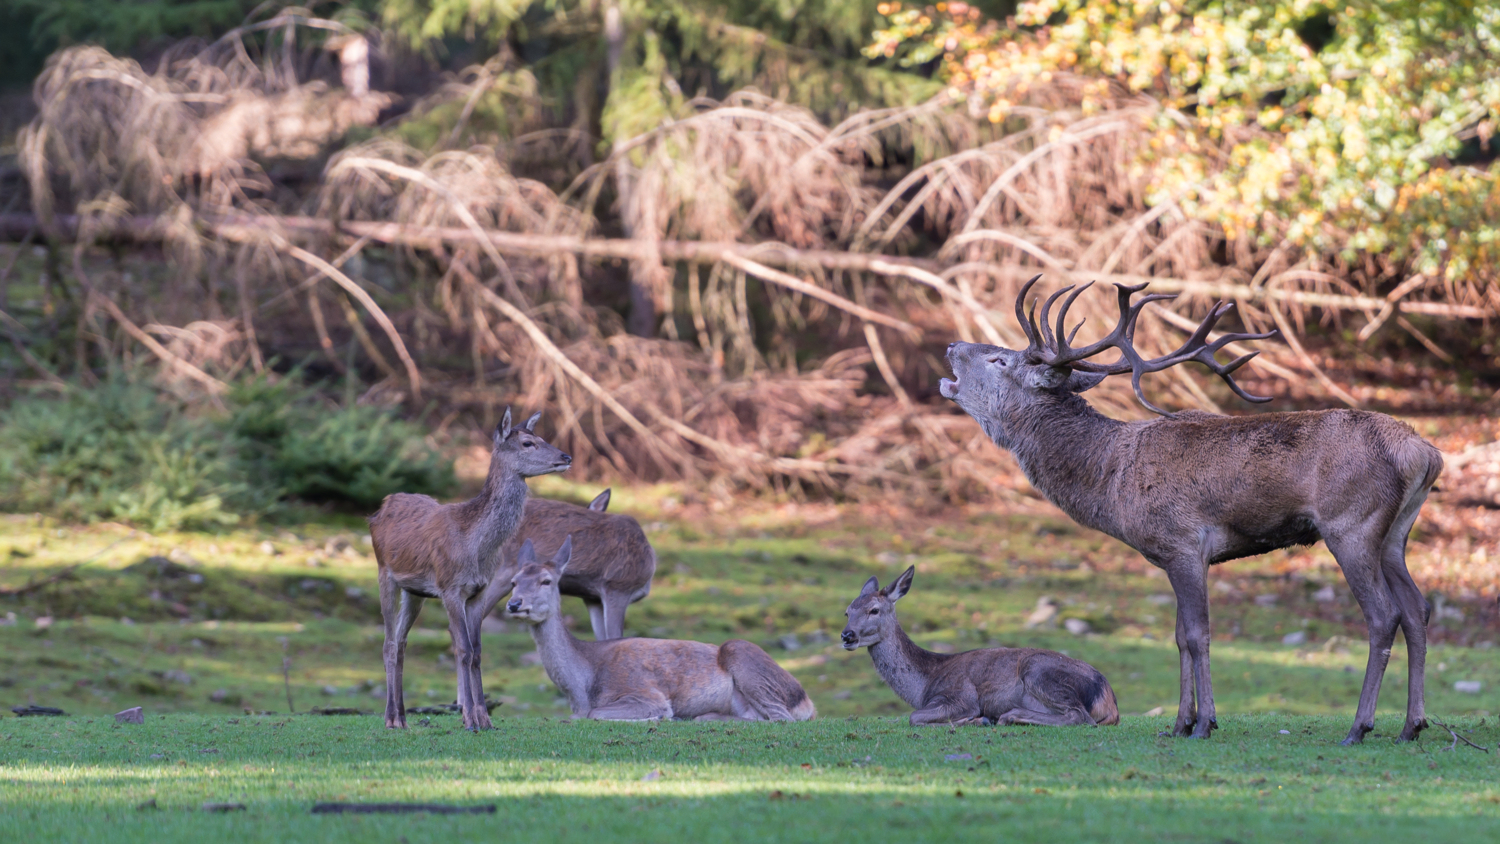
(986, 686)
(648, 679)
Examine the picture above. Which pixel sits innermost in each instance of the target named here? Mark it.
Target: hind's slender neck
(564, 661)
(496, 511)
(904, 666)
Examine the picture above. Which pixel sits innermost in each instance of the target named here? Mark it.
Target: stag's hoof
(1412, 730)
(395, 724)
(1356, 734)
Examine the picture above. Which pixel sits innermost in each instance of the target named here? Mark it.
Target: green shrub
(126, 452)
(116, 452)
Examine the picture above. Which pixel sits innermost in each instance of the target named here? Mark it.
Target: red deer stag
(451, 551)
(1192, 489)
(612, 563)
(985, 686)
(648, 679)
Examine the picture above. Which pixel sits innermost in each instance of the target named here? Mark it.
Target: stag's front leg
(1190, 583)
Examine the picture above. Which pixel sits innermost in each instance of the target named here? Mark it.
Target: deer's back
(610, 551)
(686, 672)
(1003, 677)
(1244, 485)
(413, 537)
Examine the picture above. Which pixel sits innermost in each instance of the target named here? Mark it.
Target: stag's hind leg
(1413, 609)
(1358, 553)
(1072, 717)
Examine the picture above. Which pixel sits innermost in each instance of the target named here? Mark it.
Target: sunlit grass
(819, 781)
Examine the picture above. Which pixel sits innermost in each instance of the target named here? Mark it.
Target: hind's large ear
(1078, 382)
(871, 587)
(901, 585)
(600, 503)
(530, 426)
(502, 431)
(563, 555)
(527, 555)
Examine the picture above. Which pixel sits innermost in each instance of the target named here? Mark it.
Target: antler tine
(1028, 326)
(1062, 318)
(1196, 348)
(1047, 337)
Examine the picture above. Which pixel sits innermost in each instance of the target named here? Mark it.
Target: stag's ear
(502, 431)
(527, 555)
(530, 426)
(901, 585)
(563, 555)
(600, 503)
(871, 587)
(1043, 377)
(1078, 382)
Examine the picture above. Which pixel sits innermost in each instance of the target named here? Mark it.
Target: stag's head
(520, 449)
(872, 616)
(986, 376)
(534, 595)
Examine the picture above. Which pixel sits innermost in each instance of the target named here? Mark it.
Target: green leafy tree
(1360, 128)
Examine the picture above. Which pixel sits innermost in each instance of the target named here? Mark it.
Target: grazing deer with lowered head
(648, 679)
(450, 552)
(612, 562)
(985, 686)
(1192, 489)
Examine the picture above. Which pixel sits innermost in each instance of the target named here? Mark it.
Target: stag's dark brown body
(1194, 489)
(612, 563)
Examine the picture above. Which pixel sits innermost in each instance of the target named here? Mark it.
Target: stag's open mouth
(948, 387)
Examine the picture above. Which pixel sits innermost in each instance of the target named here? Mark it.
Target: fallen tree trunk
(16, 227)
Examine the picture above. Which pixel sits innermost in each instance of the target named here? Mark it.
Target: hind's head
(525, 453)
(534, 595)
(872, 615)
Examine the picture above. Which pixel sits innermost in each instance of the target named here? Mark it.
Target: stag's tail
(766, 686)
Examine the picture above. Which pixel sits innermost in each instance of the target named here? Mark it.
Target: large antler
(1055, 349)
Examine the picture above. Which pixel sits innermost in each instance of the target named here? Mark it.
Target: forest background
(262, 265)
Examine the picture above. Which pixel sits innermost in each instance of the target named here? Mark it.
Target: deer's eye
(546, 583)
(874, 611)
(528, 444)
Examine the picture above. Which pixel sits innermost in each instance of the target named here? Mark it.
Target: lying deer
(450, 551)
(611, 568)
(648, 679)
(985, 686)
(1193, 489)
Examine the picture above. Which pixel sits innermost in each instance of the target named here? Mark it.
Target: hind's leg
(596, 620)
(399, 610)
(1042, 718)
(614, 614)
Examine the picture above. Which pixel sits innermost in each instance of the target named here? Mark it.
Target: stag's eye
(546, 583)
(528, 444)
(874, 612)
(995, 359)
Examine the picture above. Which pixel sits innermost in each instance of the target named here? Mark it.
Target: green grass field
(86, 779)
(200, 641)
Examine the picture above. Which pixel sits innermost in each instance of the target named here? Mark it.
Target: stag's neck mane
(1068, 451)
(564, 660)
(904, 666)
(491, 517)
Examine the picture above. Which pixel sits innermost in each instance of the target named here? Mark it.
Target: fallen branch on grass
(399, 809)
(13, 591)
(1456, 737)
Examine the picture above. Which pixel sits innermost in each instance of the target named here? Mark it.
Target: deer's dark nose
(567, 458)
(849, 636)
(514, 606)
